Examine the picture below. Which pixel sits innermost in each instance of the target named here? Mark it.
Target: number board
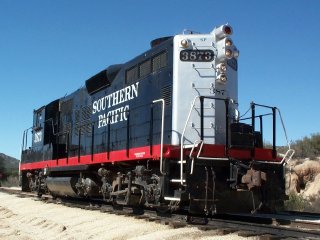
(196, 55)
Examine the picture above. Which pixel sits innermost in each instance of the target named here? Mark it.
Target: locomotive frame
(162, 131)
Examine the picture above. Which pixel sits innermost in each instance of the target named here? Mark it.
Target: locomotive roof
(105, 78)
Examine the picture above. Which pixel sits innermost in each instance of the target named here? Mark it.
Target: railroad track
(292, 225)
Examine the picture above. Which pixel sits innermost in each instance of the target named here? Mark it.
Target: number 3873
(197, 55)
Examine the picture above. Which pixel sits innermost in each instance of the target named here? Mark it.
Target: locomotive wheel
(24, 182)
(163, 210)
(115, 205)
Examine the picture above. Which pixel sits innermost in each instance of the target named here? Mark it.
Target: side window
(38, 128)
(38, 119)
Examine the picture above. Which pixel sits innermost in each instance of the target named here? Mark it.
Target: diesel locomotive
(162, 130)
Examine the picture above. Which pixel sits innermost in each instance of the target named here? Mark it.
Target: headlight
(228, 42)
(222, 78)
(221, 67)
(184, 43)
(228, 53)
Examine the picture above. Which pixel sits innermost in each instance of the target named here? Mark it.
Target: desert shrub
(296, 202)
(308, 147)
(8, 167)
(1, 165)
(11, 181)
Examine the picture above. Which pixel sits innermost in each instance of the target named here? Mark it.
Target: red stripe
(218, 151)
(143, 153)
(139, 153)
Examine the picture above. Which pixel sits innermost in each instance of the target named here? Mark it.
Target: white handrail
(290, 152)
(284, 128)
(199, 141)
(194, 145)
(182, 139)
(162, 130)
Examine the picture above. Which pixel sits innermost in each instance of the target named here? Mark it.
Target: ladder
(198, 144)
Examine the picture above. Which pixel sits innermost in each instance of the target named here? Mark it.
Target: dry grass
(296, 202)
(11, 181)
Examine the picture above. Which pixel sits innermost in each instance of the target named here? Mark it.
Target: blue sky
(49, 48)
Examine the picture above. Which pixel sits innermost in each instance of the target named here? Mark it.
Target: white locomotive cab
(203, 65)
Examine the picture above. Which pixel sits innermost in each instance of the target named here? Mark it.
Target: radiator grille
(145, 69)
(159, 61)
(132, 75)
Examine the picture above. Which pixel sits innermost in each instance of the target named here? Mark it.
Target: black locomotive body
(161, 130)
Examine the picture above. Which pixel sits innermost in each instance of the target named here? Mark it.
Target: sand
(25, 219)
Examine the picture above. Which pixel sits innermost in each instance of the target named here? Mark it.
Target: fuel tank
(72, 187)
(62, 186)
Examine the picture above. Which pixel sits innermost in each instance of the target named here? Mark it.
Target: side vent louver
(166, 94)
(65, 115)
(83, 120)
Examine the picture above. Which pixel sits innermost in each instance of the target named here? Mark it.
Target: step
(172, 198)
(177, 180)
(184, 161)
(187, 146)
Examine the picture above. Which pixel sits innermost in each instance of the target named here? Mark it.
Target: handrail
(25, 139)
(201, 142)
(253, 116)
(182, 137)
(288, 143)
(284, 128)
(23, 136)
(290, 152)
(162, 131)
(194, 145)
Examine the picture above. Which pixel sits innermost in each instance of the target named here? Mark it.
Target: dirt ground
(26, 219)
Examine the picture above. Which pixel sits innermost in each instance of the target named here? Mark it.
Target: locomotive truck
(162, 130)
